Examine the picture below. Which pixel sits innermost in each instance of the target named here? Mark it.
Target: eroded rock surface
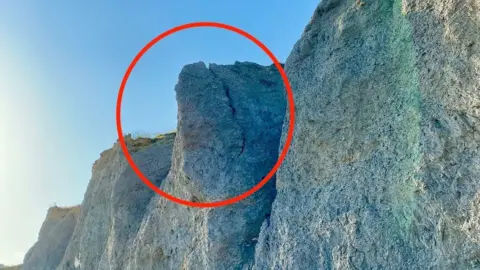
(229, 127)
(53, 239)
(115, 203)
(384, 169)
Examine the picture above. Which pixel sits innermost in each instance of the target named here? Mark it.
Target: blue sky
(61, 63)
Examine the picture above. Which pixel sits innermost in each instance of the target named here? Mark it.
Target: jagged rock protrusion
(229, 127)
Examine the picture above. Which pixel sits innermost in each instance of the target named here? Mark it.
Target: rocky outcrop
(115, 202)
(229, 126)
(53, 239)
(384, 168)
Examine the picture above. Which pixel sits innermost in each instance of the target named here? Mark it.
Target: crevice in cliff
(243, 144)
(232, 107)
(227, 93)
(230, 104)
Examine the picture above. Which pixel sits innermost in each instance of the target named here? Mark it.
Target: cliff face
(53, 238)
(384, 169)
(229, 126)
(114, 204)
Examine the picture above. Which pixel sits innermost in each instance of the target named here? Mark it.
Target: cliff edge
(53, 238)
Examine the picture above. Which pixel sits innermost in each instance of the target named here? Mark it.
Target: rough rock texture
(229, 127)
(53, 239)
(384, 169)
(115, 202)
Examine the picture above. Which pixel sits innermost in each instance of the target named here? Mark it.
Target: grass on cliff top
(142, 142)
(57, 212)
(166, 135)
(136, 143)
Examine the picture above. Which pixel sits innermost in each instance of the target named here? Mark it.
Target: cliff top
(57, 212)
(135, 145)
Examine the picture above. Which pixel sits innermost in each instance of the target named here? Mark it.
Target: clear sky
(61, 63)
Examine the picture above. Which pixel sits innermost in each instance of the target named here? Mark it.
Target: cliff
(115, 203)
(53, 238)
(383, 171)
(229, 126)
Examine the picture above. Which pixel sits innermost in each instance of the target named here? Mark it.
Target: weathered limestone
(384, 170)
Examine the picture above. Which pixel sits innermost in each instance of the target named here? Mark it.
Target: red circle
(289, 99)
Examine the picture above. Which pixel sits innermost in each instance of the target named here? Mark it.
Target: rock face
(384, 169)
(229, 127)
(114, 204)
(53, 239)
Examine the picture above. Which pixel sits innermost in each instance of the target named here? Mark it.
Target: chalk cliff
(383, 171)
(115, 203)
(229, 127)
(53, 238)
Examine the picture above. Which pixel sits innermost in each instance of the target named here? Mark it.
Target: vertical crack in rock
(227, 93)
(226, 88)
(243, 145)
(230, 104)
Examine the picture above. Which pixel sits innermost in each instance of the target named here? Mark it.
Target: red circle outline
(289, 99)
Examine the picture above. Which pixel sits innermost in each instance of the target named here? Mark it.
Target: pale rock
(384, 168)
